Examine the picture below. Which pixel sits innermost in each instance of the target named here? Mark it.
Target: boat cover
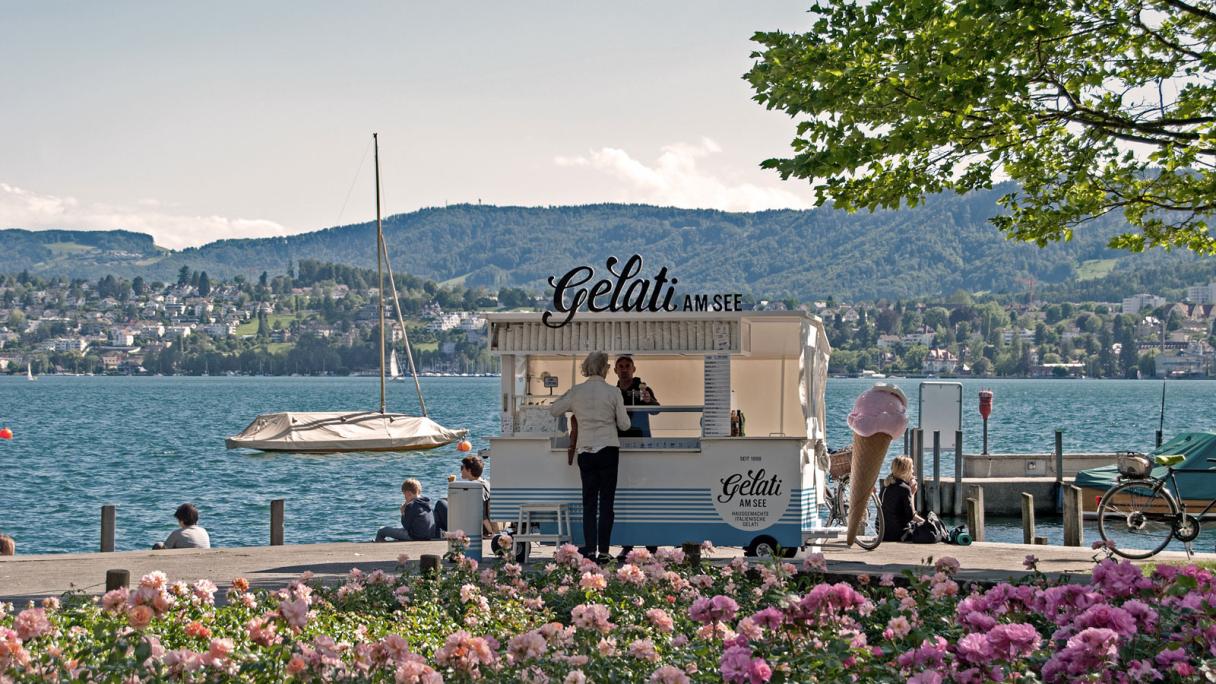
(1194, 447)
(343, 431)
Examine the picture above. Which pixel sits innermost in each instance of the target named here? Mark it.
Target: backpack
(931, 531)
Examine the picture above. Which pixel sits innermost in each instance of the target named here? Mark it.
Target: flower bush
(652, 619)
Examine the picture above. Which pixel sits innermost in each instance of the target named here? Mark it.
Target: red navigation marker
(985, 403)
(6, 433)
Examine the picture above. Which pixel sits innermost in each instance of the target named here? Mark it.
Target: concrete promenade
(24, 578)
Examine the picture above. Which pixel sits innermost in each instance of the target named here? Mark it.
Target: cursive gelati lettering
(624, 291)
(755, 483)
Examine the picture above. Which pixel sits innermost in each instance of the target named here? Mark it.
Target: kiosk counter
(736, 454)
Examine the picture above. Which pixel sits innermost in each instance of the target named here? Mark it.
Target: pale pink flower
(631, 574)
(115, 599)
(669, 674)
(815, 562)
(947, 564)
(661, 620)
(50, 603)
(219, 649)
(154, 580)
(606, 647)
(139, 616)
(593, 581)
(899, 627)
(568, 554)
(643, 649)
(639, 556)
(295, 612)
(468, 592)
(262, 632)
(575, 677)
(591, 616)
(527, 646)
(296, 665)
(31, 623)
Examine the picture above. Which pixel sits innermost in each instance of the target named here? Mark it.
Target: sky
(203, 121)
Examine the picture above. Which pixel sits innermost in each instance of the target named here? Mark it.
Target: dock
(33, 577)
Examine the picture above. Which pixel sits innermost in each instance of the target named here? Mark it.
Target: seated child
(417, 516)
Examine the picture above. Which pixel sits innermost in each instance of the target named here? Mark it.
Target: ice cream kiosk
(736, 452)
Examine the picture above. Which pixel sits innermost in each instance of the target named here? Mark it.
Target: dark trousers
(598, 471)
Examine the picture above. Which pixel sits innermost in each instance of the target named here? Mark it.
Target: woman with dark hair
(600, 411)
(188, 534)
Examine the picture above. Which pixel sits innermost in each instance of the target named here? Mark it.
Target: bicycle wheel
(869, 534)
(1138, 517)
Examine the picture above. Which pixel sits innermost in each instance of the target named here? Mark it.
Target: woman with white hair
(600, 412)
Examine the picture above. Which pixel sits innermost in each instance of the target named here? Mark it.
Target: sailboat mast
(380, 265)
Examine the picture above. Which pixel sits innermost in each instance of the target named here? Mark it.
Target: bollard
(1074, 532)
(692, 554)
(973, 513)
(1059, 470)
(109, 515)
(958, 473)
(1040, 541)
(1027, 518)
(976, 493)
(117, 579)
(429, 564)
(919, 463)
(276, 521)
(937, 472)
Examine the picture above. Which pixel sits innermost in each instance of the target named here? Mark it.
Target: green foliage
(899, 99)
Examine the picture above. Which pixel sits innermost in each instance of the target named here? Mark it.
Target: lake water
(147, 444)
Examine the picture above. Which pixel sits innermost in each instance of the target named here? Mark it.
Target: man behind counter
(635, 393)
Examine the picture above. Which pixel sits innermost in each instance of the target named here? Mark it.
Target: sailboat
(343, 431)
(29, 372)
(394, 371)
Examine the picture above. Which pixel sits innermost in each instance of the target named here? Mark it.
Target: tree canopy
(1092, 106)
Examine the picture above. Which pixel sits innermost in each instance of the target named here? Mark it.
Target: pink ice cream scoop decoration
(881, 409)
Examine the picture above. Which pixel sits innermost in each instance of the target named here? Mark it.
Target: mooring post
(975, 519)
(117, 579)
(919, 462)
(276, 521)
(937, 472)
(1040, 541)
(1059, 470)
(692, 554)
(109, 514)
(1074, 533)
(1027, 518)
(428, 564)
(958, 472)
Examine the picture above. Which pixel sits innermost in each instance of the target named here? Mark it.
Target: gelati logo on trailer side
(751, 499)
(626, 290)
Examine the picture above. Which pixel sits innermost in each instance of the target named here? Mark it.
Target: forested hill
(943, 245)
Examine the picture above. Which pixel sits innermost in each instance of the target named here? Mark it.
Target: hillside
(943, 245)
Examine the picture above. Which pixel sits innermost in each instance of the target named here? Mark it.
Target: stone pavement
(32, 577)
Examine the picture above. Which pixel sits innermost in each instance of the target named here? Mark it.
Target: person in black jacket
(417, 516)
(899, 518)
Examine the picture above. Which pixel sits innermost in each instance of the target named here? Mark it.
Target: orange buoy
(464, 445)
(6, 433)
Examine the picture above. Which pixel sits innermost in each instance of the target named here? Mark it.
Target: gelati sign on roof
(625, 289)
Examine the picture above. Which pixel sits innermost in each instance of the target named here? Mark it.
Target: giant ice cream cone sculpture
(878, 416)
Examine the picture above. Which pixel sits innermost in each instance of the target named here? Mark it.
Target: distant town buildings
(1202, 294)
(1137, 303)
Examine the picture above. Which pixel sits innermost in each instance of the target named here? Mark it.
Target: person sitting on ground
(188, 534)
(8, 547)
(417, 516)
(900, 521)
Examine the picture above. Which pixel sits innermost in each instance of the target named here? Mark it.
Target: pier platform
(32, 577)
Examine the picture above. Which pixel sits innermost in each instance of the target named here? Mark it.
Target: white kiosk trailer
(690, 481)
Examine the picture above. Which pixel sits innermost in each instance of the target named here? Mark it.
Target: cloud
(677, 179)
(21, 208)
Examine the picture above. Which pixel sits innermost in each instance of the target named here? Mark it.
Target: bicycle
(1143, 506)
(837, 500)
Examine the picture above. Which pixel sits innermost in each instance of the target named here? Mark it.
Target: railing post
(276, 521)
(937, 472)
(109, 514)
(1074, 532)
(919, 463)
(1059, 470)
(959, 466)
(1027, 518)
(975, 517)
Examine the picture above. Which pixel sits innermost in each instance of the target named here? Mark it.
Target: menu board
(716, 418)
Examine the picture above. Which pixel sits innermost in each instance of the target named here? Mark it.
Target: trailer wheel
(763, 546)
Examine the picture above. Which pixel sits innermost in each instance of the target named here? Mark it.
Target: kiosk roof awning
(769, 333)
